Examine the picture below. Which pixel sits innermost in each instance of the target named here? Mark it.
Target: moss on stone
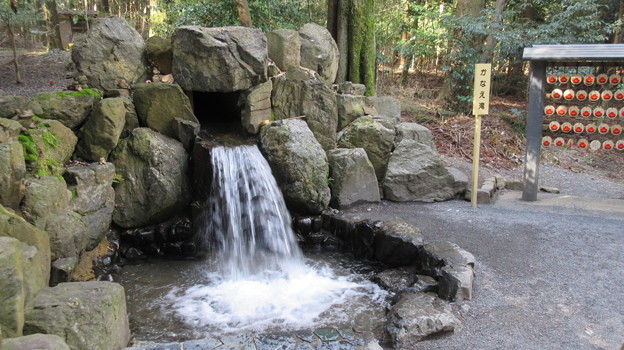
(63, 94)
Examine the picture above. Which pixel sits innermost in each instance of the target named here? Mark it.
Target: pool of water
(180, 300)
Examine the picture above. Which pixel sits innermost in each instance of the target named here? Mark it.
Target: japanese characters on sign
(481, 97)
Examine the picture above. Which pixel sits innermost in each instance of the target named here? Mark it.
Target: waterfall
(246, 217)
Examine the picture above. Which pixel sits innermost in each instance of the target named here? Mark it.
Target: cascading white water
(261, 279)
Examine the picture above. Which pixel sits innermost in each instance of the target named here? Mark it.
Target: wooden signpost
(480, 107)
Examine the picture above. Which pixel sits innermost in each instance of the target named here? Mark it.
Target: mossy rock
(102, 130)
(47, 147)
(70, 108)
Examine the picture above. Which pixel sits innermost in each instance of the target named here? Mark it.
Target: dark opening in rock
(218, 112)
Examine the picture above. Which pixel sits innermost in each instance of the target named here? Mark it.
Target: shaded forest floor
(503, 131)
(503, 139)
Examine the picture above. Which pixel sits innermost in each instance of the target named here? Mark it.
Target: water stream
(256, 278)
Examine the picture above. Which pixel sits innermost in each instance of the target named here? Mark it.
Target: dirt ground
(503, 141)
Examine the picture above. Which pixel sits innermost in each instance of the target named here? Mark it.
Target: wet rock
(98, 307)
(186, 131)
(319, 51)
(93, 197)
(160, 53)
(155, 184)
(350, 108)
(71, 109)
(303, 225)
(12, 171)
(353, 178)
(102, 130)
(416, 316)
(12, 291)
(363, 240)
(398, 243)
(425, 284)
(219, 59)
(111, 51)
(327, 334)
(35, 341)
(317, 224)
(417, 173)
(256, 106)
(395, 280)
(376, 139)
(299, 164)
(301, 93)
(159, 116)
(284, 48)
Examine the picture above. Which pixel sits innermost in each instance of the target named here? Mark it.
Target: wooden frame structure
(540, 56)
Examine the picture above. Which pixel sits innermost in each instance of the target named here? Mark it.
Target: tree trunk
(619, 34)
(104, 6)
(243, 13)
(52, 23)
(18, 76)
(490, 43)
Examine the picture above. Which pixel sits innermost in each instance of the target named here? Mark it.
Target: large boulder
(35, 342)
(153, 182)
(298, 163)
(417, 315)
(417, 173)
(159, 53)
(111, 51)
(352, 176)
(12, 170)
(93, 197)
(302, 93)
(159, 104)
(350, 107)
(284, 48)
(11, 106)
(256, 106)
(12, 291)
(68, 233)
(9, 130)
(319, 51)
(48, 145)
(88, 315)
(374, 137)
(69, 108)
(101, 132)
(398, 243)
(414, 132)
(12, 225)
(219, 59)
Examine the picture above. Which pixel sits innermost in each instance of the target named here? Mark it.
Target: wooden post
(535, 119)
(475, 161)
(480, 107)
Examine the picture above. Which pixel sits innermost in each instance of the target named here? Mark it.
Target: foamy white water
(262, 280)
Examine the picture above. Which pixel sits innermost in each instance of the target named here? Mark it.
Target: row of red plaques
(587, 79)
(589, 128)
(583, 143)
(582, 95)
(575, 111)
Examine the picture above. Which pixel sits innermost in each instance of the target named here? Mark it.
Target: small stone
(347, 333)
(550, 190)
(307, 336)
(327, 334)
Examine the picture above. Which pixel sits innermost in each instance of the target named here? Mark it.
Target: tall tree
(352, 24)
(52, 24)
(619, 33)
(7, 16)
(243, 13)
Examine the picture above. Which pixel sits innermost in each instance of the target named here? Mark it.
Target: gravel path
(550, 274)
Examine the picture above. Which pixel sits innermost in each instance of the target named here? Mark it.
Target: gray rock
(302, 93)
(132, 119)
(12, 291)
(460, 180)
(68, 235)
(61, 270)
(500, 182)
(44, 197)
(93, 197)
(284, 48)
(88, 315)
(71, 109)
(219, 59)
(111, 51)
(449, 254)
(52, 146)
(154, 183)
(395, 280)
(456, 283)
(160, 53)
(425, 284)
(298, 163)
(9, 130)
(514, 184)
(376, 139)
(159, 104)
(185, 131)
(350, 108)
(11, 106)
(35, 342)
(353, 178)
(38, 265)
(398, 243)
(34, 279)
(416, 173)
(12, 171)
(417, 315)
(102, 131)
(414, 132)
(387, 106)
(256, 106)
(319, 51)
